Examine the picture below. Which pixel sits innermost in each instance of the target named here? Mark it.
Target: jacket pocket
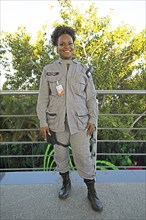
(51, 119)
(79, 86)
(82, 120)
(53, 78)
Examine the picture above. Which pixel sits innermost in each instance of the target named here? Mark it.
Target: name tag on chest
(60, 90)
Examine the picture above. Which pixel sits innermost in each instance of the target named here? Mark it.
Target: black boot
(66, 186)
(92, 195)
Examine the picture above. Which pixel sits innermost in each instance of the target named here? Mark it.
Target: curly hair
(62, 30)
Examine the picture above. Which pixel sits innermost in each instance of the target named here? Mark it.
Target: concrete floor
(36, 198)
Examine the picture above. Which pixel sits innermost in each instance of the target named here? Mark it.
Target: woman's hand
(90, 128)
(44, 131)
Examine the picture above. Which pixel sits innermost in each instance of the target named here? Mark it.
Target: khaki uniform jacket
(78, 101)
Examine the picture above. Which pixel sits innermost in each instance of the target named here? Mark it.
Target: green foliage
(46, 160)
(28, 59)
(19, 105)
(100, 163)
(24, 161)
(120, 154)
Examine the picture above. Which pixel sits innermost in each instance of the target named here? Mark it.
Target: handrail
(98, 141)
(19, 116)
(42, 155)
(99, 92)
(37, 129)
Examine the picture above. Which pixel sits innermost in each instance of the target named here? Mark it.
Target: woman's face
(65, 47)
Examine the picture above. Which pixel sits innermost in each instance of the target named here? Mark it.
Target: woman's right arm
(42, 103)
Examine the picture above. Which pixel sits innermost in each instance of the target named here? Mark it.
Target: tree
(28, 58)
(118, 60)
(14, 106)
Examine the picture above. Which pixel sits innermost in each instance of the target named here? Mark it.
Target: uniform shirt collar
(74, 60)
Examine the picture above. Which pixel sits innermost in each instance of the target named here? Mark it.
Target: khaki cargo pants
(80, 145)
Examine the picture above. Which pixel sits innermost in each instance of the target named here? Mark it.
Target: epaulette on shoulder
(88, 70)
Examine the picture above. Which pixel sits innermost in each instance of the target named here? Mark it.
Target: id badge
(60, 90)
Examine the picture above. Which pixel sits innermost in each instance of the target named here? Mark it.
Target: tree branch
(137, 120)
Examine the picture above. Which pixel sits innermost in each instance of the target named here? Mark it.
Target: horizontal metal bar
(37, 129)
(121, 114)
(121, 92)
(23, 142)
(23, 156)
(17, 92)
(121, 128)
(143, 167)
(123, 154)
(41, 155)
(36, 168)
(44, 142)
(15, 169)
(136, 167)
(16, 116)
(99, 92)
(19, 116)
(124, 141)
(24, 129)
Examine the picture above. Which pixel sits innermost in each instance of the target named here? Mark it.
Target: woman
(66, 108)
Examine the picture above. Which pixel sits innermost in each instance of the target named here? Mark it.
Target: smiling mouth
(67, 51)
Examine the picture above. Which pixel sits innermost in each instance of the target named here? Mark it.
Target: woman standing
(67, 107)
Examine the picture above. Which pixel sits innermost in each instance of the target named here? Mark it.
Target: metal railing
(99, 92)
